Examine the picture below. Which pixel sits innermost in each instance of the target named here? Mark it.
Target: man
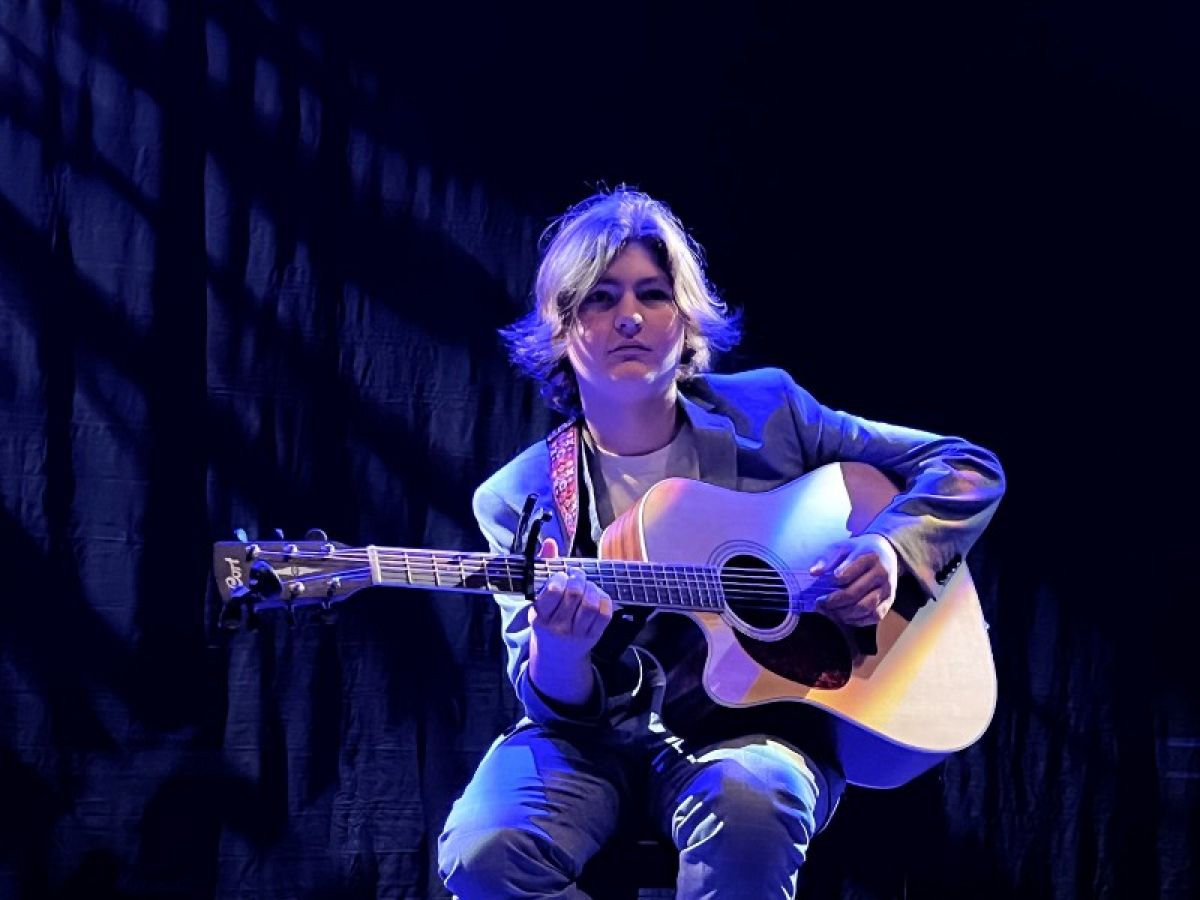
(624, 326)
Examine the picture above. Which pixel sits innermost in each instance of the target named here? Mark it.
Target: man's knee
(490, 861)
(753, 803)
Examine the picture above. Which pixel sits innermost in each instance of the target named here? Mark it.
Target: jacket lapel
(716, 445)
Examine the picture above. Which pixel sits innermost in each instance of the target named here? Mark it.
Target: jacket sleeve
(950, 487)
(498, 521)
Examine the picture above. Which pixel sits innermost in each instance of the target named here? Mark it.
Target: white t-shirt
(626, 478)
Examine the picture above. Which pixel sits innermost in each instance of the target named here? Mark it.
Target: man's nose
(628, 323)
(628, 320)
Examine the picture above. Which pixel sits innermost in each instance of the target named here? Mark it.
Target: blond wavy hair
(578, 247)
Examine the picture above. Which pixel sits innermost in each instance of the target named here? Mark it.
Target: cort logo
(234, 578)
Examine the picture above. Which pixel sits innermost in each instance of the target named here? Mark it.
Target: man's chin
(634, 373)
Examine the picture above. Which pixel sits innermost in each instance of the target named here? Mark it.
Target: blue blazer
(755, 431)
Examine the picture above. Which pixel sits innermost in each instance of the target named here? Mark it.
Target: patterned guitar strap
(572, 507)
(564, 480)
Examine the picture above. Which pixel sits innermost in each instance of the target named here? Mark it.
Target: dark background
(252, 259)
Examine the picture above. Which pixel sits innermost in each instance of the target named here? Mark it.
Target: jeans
(544, 800)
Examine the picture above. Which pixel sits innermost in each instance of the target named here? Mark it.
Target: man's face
(629, 334)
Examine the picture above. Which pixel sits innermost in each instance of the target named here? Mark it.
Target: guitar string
(510, 563)
(690, 582)
(450, 556)
(438, 578)
(609, 568)
(739, 601)
(692, 576)
(741, 598)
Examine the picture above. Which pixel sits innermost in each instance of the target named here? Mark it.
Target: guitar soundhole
(755, 592)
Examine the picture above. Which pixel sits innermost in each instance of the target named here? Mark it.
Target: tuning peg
(240, 534)
(315, 534)
(279, 534)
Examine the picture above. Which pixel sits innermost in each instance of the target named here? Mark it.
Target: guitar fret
(604, 576)
(693, 586)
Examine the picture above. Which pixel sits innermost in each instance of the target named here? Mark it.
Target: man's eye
(598, 298)
(657, 295)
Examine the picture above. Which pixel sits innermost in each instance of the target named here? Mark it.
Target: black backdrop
(252, 259)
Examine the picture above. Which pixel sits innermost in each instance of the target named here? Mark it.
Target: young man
(625, 326)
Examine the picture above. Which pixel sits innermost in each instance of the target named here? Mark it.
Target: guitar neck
(668, 586)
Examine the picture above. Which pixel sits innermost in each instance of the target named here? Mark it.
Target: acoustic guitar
(921, 687)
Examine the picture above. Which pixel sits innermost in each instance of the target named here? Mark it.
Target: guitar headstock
(283, 574)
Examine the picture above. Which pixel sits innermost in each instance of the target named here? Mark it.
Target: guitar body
(927, 689)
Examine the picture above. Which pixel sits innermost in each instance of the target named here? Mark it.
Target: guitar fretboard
(677, 586)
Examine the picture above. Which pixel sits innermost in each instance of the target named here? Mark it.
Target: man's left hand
(865, 569)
